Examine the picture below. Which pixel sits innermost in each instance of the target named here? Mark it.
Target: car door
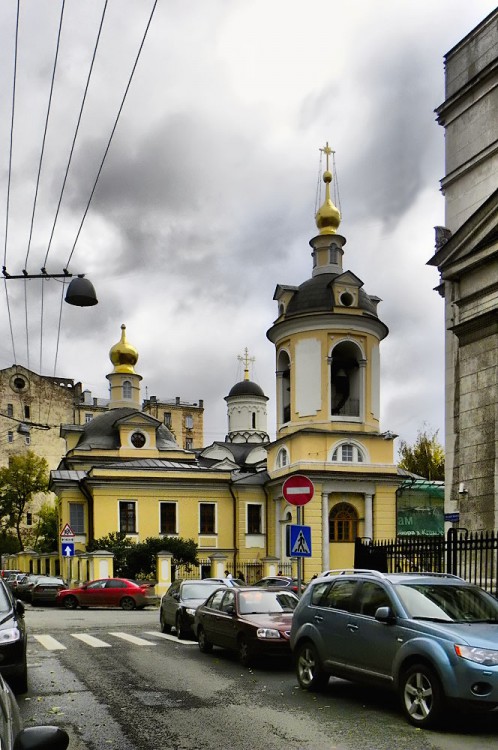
(169, 603)
(227, 623)
(93, 594)
(113, 592)
(212, 617)
(331, 605)
(372, 644)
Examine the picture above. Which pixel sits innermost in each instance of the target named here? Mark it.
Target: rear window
(335, 595)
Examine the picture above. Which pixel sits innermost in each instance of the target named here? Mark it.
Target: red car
(109, 592)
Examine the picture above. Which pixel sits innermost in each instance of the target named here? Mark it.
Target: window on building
(345, 382)
(254, 518)
(189, 444)
(77, 517)
(343, 523)
(282, 458)
(27, 412)
(348, 452)
(253, 420)
(284, 386)
(128, 516)
(10, 410)
(29, 519)
(207, 518)
(189, 421)
(27, 440)
(167, 418)
(168, 518)
(126, 389)
(88, 418)
(10, 437)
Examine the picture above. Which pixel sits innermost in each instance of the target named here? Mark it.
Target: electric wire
(9, 180)
(113, 131)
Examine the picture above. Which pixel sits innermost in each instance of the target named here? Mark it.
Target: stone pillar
(218, 565)
(278, 529)
(163, 571)
(325, 532)
(270, 565)
(101, 564)
(368, 531)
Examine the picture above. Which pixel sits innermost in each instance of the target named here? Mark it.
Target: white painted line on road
(133, 639)
(90, 640)
(168, 637)
(49, 643)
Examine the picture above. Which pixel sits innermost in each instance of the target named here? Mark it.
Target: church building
(124, 470)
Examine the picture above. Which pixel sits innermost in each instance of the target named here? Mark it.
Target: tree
(25, 475)
(425, 457)
(47, 529)
(138, 560)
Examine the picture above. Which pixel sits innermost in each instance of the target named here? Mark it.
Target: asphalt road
(89, 674)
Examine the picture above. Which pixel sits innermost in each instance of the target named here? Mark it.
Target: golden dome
(328, 216)
(123, 355)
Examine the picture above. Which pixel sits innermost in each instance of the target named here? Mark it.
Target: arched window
(253, 420)
(282, 458)
(126, 389)
(343, 523)
(345, 380)
(284, 383)
(348, 452)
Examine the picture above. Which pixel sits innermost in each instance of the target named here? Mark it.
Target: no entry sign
(298, 489)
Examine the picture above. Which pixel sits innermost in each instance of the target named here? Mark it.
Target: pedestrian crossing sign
(298, 541)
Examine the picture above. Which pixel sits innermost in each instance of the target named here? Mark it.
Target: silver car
(431, 637)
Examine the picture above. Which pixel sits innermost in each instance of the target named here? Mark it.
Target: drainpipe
(89, 497)
(235, 548)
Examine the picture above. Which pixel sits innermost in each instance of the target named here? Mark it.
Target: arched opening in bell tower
(345, 391)
(283, 371)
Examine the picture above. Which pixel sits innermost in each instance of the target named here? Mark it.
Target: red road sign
(67, 532)
(298, 489)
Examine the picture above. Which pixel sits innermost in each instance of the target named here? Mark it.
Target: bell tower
(124, 381)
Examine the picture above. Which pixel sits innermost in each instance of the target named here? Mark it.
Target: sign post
(67, 548)
(298, 490)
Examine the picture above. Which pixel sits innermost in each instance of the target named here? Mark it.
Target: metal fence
(251, 571)
(470, 555)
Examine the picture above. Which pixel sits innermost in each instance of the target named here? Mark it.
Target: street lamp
(80, 291)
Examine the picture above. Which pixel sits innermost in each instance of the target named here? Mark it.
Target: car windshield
(199, 590)
(266, 602)
(447, 602)
(5, 603)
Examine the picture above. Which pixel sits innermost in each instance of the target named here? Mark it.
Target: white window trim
(129, 500)
(357, 449)
(207, 533)
(278, 462)
(262, 531)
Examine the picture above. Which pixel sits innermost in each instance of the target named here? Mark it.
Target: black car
(14, 737)
(45, 590)
(251, 621)
(179, 603)
(13, 641)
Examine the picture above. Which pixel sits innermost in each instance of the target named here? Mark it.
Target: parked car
(14, 737)
(279, 582)
(13, 580)
(433, 638)
(25, 584)
(226, 581)
(179, 603)
(109, 592)
(250, 621)
(45, 590)
(13, 641)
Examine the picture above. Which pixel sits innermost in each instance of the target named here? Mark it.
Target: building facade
(467, 259)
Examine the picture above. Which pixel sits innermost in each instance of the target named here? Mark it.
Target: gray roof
(102, 432)
(315, 295)
(246, 388)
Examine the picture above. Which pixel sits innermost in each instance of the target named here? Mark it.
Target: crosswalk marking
(91, 640)
(49, 643)
(133, 639)
(168, 637)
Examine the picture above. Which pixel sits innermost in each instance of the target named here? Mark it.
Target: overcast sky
(206, 200)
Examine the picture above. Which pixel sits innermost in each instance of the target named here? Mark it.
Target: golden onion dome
(123, 355)
(328, 216)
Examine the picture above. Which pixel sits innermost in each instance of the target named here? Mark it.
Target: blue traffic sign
(298, 541)
(68, 549)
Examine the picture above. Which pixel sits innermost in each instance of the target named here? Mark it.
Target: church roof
(102, 432)
(316, 295)
(246, 388)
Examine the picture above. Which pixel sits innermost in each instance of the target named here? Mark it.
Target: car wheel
(422, 697)
(165, 628)
(310, 674)
(181, 632)
(127, 603)
(19, 682)
(204, 645)
(245, 656)
(70, 602)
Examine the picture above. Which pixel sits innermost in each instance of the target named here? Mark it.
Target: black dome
(315, 295)
(246, 388)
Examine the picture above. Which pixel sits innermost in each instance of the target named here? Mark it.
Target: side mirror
(176, 596)
(20, 608)
(230, 610)
(385, 615)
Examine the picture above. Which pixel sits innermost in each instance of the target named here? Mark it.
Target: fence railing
(470, 555)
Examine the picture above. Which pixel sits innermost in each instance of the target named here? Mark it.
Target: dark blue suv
(433, 638)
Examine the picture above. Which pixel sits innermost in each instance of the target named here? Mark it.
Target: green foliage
(9, 544)
(425, 457)
(47, 529)
(139, 560)
(25, 475)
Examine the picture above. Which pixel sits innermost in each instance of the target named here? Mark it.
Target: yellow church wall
(385, 512)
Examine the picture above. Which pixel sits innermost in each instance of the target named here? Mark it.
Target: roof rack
(350, 571)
